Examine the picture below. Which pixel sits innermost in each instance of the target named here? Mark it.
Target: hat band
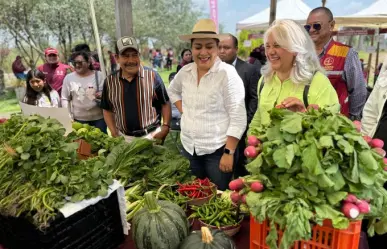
(205, 32)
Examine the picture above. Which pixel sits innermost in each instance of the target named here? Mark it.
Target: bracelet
(167, 125)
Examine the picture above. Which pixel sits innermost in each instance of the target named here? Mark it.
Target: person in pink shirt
(54, 70)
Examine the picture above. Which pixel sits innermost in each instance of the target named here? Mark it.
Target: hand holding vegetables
(293, 104)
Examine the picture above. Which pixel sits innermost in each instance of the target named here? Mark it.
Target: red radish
(253, 141)
(377, 143)
(236, 184)
(251, 152)
(313, 106)
(380, 151)
(357, 123)
(363, 206)
(257, 187)
(385, 168)
(235, 197)
(2, 120)
(350, 210)
(385, 160)
(368, 139)
(244, 199)
(351, 198)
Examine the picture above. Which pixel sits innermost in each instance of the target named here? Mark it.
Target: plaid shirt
(356, 84)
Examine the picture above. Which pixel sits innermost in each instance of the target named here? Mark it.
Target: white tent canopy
(373, 16)
(286, 9)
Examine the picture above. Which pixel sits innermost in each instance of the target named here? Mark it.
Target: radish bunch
(377, 146)
(240, 189)
(353, 207)
(2, 120)
(254, 147)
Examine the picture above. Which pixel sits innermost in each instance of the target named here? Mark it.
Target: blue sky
(232, 11)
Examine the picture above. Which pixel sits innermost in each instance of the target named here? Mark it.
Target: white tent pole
(96, 35)
(273, 11)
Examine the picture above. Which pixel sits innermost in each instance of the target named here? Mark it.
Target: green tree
(164, 20)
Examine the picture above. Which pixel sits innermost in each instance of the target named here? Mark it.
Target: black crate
(96, 227)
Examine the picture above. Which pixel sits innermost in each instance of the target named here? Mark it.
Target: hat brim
(188, 38)
(124, 49)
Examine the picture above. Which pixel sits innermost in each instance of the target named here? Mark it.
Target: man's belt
(140, 133)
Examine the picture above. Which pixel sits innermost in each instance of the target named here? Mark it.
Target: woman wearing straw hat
(210, 96)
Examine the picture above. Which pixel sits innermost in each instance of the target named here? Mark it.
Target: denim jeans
(208, 166)
(100, 124)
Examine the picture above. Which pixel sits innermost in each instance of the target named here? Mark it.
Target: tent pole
(377, 54)
(370, 59)
(273, 11)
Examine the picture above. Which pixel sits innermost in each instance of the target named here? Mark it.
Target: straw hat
(204, 28)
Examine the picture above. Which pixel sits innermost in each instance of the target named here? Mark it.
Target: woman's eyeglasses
(80, 63)
(316, 26)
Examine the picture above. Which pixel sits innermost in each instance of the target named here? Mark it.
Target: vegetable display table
(98, 226)
(241, 239)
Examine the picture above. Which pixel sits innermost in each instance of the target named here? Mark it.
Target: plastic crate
(96, 227)
(323, 237)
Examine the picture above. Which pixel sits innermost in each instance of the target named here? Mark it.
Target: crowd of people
(221, 95)
(214, 97)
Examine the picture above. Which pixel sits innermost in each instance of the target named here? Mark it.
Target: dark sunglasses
(316, 26)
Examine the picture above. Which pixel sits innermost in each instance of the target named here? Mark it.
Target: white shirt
(373, 109)
(234, 63)
(212, 110)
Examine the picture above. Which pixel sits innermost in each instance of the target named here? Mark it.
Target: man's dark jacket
(250, 76)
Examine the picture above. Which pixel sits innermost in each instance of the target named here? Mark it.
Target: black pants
(240, 167)
(208, 166)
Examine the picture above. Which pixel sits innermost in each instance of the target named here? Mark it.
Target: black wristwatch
(229, 152)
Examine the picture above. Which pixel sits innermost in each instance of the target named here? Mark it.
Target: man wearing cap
(130, 95)
(210, 95)
(54, 70)
(340, 61)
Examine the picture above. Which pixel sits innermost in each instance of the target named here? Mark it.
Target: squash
(159, 225)
(208, 239)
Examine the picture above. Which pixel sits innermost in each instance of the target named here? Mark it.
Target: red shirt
(55, 73)
(18, 67)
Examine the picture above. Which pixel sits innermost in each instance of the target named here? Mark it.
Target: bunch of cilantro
(309, 163)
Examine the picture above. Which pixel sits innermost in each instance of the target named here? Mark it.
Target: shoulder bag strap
(261, 86)
(305, 95)
(96, 80)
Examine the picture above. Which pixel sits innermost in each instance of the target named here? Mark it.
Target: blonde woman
(292, 78)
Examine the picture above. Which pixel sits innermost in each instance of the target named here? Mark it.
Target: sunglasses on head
(316, 26)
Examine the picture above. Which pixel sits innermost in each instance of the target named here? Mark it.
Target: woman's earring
(294, 64)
